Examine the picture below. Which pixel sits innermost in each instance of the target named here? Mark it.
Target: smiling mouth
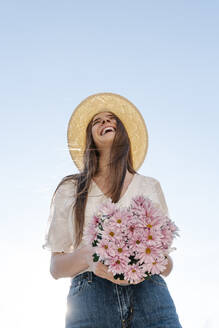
(107, 130)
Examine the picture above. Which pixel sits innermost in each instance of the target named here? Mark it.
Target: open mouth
(107, 130)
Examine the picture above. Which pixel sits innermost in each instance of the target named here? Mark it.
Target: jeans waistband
(87, 274)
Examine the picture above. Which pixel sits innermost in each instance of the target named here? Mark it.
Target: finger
(101, 267)
(102, 271)
(120, 282)
(117, 281)
(137, 282)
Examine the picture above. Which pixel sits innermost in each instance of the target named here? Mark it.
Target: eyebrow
(98, 118)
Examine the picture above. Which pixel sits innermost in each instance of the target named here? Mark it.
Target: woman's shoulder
(145, 179)
(67, 185)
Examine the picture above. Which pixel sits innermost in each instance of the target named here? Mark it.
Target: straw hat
(120, 106)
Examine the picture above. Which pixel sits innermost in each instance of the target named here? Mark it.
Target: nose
(105, 120)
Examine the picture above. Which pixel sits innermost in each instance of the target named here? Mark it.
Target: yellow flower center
(149, 225)
(150, 237)
(133, 270)
(148, 250)
(118, 262)
(105, 246)
(137, 241)
(120, 250)
(119, 221)
(111, 233)
(154, 263)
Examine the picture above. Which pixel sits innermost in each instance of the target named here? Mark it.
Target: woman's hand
(101, 270)
(169, 267)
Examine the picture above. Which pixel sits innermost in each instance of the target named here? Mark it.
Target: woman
(108, 141)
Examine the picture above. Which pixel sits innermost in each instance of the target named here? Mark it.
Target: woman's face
(103, 129)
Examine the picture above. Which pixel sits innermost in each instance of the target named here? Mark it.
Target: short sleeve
(59, 235)
(158, 197)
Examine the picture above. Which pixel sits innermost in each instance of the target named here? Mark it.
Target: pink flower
(173, 228)
(121, 249)
(147, 253)
(118, 265)
(166, 238)
(144, 206)
(139, 233)
(134, 273)
(119, 219)
(136, 240)
(103, 249)
(130, 230)
(157, 266)
(90, 233)
(152, 222)
(133, 226)
(111, 232)
(107, 208)
(138, 202)
(153, 237)
(96, 220)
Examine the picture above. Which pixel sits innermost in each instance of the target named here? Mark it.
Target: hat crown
(121, 107)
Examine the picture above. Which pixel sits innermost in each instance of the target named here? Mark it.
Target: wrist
(168, 268)
(86, 253)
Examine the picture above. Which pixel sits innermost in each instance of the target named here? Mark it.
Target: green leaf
(119, 276)
(133, 260)
(95, 257)
(95, 243)
(100, 226)
(147, 275)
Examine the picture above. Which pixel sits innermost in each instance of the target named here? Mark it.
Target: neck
(104, 159)
(104, 170)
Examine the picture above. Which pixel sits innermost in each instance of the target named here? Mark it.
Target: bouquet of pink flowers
(133, 242)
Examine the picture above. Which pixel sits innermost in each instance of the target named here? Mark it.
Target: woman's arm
(64, 265)
(169, 267)
(70, 264)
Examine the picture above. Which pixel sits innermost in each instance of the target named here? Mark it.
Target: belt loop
(90, 276)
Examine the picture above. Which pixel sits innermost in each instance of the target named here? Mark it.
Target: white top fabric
(60, 229)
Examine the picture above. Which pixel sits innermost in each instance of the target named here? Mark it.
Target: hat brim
(121, 107)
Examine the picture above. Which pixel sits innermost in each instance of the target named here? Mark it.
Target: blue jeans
(94, 302)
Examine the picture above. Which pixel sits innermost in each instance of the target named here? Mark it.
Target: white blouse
(59, 235)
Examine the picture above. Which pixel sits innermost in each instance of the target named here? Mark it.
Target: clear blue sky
(162, 56)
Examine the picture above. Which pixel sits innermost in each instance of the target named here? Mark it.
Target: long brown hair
(120, 162)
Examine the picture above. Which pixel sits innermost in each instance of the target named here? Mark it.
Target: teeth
(109, 128)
